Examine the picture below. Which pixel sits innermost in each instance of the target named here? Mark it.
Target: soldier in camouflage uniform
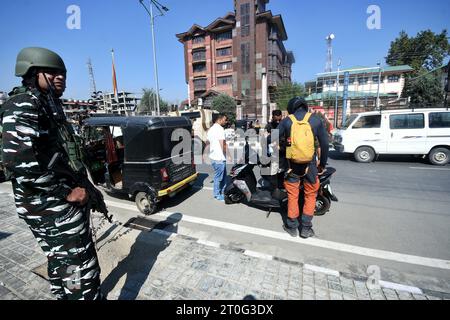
(53, 205)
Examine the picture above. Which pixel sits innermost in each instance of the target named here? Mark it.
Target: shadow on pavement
(4, 235)
(142, 257)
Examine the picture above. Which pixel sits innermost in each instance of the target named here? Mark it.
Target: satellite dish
(332, 36)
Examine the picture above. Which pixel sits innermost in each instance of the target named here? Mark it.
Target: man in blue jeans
(217, 154)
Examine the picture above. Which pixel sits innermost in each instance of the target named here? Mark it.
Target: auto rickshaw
(135, 156)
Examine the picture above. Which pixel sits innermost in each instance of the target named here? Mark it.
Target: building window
(330, 82)
(394, 78)
(439, 120)
(245, 57)
(222, 52)
(200, 84)
(224, 80)
(407, 121)
(245, 19)
(245, 88)
(198, 39)
(199, 67)
(199, 55)
(224, 66)
(375, 79)
(228, 35)
(363, 80)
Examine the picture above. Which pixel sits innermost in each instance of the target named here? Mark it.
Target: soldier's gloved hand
(78, 196)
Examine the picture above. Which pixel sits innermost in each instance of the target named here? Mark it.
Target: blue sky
(125, 26)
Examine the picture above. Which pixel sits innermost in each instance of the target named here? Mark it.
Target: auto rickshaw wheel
(145, 203)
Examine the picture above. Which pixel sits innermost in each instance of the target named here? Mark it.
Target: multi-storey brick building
(234, 53)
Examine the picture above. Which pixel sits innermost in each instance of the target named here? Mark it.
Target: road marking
(400, 287)
(203, 188)
(255, 254)
(321, 270)
(423, 168)
(208, 243)
(336, 246)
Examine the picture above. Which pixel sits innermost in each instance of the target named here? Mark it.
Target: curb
(330, 272)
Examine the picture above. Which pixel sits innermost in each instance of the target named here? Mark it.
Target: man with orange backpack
(300, 130)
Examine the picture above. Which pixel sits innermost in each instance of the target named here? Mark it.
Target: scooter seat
(264, 199)
(262, 195)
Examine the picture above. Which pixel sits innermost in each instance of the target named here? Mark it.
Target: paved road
(391, 211)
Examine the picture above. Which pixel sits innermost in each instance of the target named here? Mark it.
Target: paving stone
(294, 294)
(334, 286)
(405, 295)
(433, 298)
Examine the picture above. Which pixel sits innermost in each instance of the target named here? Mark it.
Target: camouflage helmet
(37, 57)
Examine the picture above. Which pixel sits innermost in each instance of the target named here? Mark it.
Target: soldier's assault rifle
(96, 201)
(74, 168)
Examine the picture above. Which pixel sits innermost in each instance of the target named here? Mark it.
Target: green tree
(425, 52)
(426, 90)
(223, 103)
(148, 102)
(286, 92)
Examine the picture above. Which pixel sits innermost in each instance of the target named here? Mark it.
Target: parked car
(400, 132)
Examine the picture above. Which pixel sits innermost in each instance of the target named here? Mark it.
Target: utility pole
(337, 91)
(264, 97)
(378, 90)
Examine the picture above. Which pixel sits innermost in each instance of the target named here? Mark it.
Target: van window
(349, 121)
(407, 121)
(439, 120)
(368, 122)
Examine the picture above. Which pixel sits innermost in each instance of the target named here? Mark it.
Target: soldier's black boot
(307, 230)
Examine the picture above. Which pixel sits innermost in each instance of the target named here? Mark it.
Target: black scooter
(243, 188)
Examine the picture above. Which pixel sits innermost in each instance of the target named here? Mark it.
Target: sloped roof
(229, 18)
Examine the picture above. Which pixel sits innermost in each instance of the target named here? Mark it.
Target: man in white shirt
(217, 154)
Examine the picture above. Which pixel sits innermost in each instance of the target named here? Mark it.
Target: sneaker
(220, 198)
(292, 232)
(307, 233)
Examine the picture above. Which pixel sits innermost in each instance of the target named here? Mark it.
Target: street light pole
(152, 22)
(152, 19)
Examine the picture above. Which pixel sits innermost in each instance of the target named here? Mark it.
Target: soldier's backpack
(301, 142)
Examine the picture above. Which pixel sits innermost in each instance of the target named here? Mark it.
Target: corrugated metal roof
(351, 95)
(362, 70)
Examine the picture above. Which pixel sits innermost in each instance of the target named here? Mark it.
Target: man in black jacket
(303, 173)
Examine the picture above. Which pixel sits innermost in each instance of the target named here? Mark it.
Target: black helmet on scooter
(297, 103)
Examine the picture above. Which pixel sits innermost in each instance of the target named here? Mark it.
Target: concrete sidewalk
(147, 259)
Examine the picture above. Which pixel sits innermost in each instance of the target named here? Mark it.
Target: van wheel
(146, 204)
(439, 156)
(364, 155)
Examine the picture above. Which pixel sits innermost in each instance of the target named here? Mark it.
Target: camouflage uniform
(61, 228)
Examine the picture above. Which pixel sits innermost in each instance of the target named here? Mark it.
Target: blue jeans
(220, 177)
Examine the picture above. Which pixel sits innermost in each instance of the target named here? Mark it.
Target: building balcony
(201, 73)
(198, 88)
(199, 60)
(199, 45)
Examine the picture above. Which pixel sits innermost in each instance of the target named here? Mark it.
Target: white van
(406, 131)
